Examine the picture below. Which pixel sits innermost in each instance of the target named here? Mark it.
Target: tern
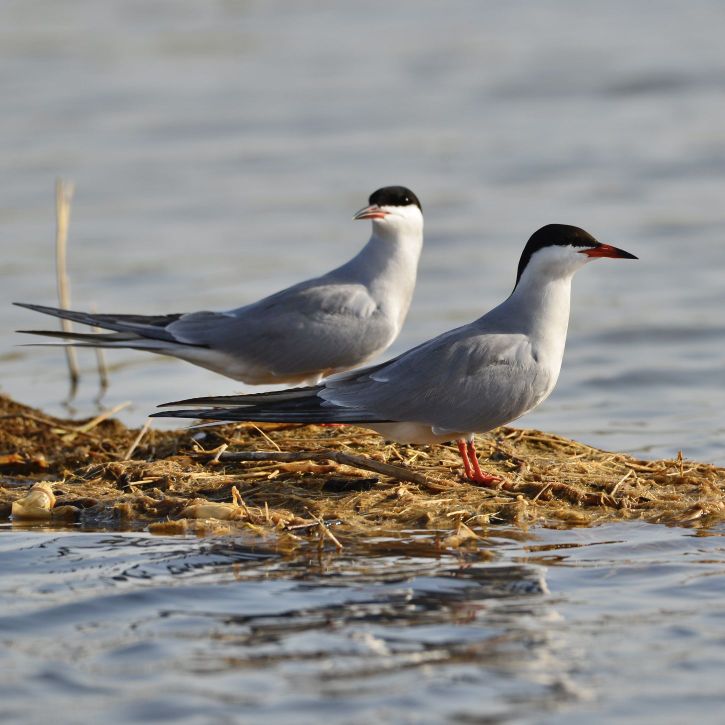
(297, 336)
(468, 380)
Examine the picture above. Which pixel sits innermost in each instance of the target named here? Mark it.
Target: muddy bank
(332, 485)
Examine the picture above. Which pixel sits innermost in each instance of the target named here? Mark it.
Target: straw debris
(333, 486)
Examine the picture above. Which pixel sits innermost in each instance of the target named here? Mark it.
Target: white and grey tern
(469, 380)
(324, 325)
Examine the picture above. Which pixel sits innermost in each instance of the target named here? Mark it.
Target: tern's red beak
(371, 212)
(607, 250)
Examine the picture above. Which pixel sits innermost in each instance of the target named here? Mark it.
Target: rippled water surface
(621, 622)
(220, 149)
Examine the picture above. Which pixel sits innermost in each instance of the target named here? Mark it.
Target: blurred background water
(219, 150)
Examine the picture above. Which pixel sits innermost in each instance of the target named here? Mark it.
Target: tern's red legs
(470, 463)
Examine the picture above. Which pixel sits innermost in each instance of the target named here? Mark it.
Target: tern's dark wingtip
(33, 306)
(172, 413)
(204, 400)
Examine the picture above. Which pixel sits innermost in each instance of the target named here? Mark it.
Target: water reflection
(358, 630)
(151, 627)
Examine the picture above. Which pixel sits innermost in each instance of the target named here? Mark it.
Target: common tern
(468, 380)
(299, 335)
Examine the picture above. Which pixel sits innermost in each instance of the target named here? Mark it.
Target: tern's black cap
(554, 235)
(394, 196)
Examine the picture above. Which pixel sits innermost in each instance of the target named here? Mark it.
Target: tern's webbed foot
(483, 478)
(474, 474)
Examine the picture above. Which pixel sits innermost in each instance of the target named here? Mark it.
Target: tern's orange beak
(607, 250)
(371, 212)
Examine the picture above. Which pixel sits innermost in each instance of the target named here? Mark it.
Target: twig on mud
(91, 424)
(137, 440)
(616, 486)
(367, 464)
(325, 532)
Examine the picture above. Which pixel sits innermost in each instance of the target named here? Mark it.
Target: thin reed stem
(63, 197)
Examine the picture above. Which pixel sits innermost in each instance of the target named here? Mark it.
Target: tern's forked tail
(296, 405)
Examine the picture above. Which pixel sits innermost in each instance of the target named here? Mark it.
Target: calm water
(618, 623)
(219, 150)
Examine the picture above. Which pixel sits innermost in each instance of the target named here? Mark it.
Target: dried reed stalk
(63, 197)
(137, 440)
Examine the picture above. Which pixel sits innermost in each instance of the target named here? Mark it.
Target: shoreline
(301, 485)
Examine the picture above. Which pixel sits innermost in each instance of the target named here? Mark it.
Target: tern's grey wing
(464, 380)
(300, 330)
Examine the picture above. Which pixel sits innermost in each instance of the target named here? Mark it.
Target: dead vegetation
(333, 484)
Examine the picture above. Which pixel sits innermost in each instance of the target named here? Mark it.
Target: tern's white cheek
(401, 220)
(556, 261)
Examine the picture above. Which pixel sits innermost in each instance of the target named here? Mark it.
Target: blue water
(219, 150)
(619, 623)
